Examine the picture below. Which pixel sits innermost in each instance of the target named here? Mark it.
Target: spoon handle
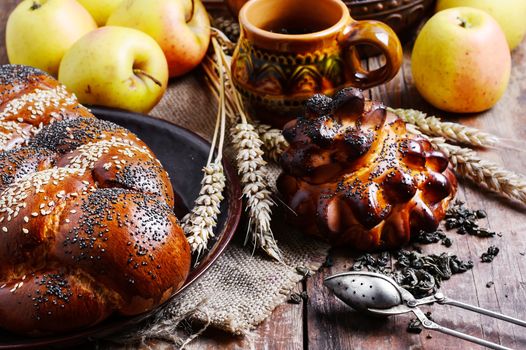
(428, 324)
(467, 337)
(490, 313)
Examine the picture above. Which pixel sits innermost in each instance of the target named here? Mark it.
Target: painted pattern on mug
(276, 73)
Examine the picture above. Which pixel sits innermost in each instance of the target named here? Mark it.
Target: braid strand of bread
(86, 213)
(355, 176)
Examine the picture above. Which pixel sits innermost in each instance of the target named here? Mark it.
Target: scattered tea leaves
(490, 254)
(448, 242)
(304, 271)
(420, 274)
(371, 263)
(414, 326)
(459, 217)
(424, 237)
(429, 237)
(297, 298)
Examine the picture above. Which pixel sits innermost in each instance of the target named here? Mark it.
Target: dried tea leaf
(294, 298)
(304, 271)
(414, 326)
(459, 217)
(297, 298)
(490, 254)
(420, 274)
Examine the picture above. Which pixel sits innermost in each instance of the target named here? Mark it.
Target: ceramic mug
(289, 50)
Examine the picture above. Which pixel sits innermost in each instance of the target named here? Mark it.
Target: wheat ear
(251, 166)
(200, 222)
(274, 144)
(198, 225)
(256, 189)
(453, 132)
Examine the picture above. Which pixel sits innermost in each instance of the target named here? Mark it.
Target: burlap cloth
(242, 288)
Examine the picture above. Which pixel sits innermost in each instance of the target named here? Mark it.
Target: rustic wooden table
(323, 322)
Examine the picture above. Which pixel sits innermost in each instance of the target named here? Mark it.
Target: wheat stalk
(453, 132)
(247, 143)
(198, 225)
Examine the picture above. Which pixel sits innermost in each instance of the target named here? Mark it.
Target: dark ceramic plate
(183, 154)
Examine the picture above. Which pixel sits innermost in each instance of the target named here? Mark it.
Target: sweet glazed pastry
(354, 175)
(86, 214)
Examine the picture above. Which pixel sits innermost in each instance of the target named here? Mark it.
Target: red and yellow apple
(39, 32)
(181, 27)
(461, 61)
(116, 67)
(510, 14)
(100, 9)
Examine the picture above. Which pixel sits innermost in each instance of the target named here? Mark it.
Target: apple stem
(192, 10)
(35, 6)
(462, 22)
(141, 72)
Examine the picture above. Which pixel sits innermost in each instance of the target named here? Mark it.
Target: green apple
(461, 61)
(100, 9)
(181, 27)
(510, 14)
(39, 32)
(116, 67)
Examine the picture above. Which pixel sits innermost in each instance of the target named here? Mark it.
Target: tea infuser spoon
(380, 295)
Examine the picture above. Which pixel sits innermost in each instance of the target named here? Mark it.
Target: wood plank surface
(325, 323)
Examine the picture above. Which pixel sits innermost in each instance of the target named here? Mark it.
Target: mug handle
(378, 35)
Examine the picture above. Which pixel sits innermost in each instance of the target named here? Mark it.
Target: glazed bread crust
(86, 216)
(30, 99)
(354, 175)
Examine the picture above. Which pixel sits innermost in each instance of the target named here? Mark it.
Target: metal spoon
(380, 295)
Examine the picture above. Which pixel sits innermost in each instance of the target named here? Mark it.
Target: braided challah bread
(354, 175)
(29, 99)
(86, 215)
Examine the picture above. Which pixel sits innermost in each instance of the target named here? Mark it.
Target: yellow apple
(510, 14)
(39, 32)
(461, 61)
(100, 9)
(116, 67)
(181, 27)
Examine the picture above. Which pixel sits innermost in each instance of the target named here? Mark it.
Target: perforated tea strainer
(380, 295)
